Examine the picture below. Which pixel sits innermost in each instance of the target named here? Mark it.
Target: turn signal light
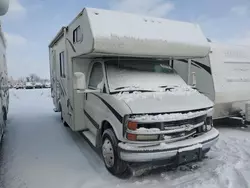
(132, 125)
(131, 137)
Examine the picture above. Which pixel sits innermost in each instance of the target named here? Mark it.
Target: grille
(173, 124)
(177, 124)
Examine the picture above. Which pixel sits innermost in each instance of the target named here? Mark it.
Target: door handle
(86, 96)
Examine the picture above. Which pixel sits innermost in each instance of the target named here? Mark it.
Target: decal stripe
(205, 67)
(117, 115)
(91, 120)
(72, 46)
(186, 61)
(197, 64)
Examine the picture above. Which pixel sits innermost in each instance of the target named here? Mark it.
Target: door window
(62, 65)
(96, 76)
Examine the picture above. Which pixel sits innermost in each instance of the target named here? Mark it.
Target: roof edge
(57, 37)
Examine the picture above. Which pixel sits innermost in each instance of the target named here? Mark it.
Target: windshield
(141, 75)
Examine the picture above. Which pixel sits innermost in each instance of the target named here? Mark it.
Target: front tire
(112, 161)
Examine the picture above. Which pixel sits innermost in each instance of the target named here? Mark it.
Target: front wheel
(112, 161)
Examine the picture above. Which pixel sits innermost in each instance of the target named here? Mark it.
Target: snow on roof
(128, 34)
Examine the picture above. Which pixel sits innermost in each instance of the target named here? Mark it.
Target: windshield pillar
(189, 69)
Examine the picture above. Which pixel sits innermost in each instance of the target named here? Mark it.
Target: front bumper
(134, 153)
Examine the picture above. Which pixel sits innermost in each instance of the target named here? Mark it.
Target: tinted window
(77, 35)
(62, 65)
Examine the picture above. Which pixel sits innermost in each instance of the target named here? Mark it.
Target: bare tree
(34, 78)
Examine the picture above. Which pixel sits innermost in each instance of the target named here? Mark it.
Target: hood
(176, 100)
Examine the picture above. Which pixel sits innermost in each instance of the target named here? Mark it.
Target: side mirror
(4, 6)
(193, 79)
(79, 81)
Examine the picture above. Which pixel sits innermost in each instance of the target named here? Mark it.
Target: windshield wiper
(125, 87)
(130, 89)
(167, 88)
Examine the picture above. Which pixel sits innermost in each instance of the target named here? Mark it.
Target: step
(90, 136)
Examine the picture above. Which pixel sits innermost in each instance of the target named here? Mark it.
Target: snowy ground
(38, 152)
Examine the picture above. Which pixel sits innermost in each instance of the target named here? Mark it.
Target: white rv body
(223, 76)
(100, 46)
(4, 88)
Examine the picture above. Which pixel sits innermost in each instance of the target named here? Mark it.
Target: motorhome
(223, 76)
(112, 81)
(4, 88)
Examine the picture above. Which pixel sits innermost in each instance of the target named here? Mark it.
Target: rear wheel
(4, 120)
(4, 126)
(112, 161)
(64, 122)
(61, 116)
(60, 110)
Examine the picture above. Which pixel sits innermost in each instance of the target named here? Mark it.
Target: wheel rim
(108, 153)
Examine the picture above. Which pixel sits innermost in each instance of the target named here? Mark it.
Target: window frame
(76, 34)
(62, 64)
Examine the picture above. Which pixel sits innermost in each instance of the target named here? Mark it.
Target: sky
(30, 25)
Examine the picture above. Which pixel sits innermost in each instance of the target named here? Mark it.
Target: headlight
(204, 127)
(141, 137)
(209, 127)
(209, 123)
(210, 112)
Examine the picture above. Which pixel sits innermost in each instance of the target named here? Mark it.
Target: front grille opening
(193, 121)
(149, 125)
(180, 134)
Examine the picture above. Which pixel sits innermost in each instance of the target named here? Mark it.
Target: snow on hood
(178, 91)
(174, 100)
(118, 77)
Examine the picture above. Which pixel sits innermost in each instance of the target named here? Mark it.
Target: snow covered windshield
(141, 75)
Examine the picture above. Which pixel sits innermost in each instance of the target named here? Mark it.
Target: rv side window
(77, 35)
(62, 65)
(96, 76)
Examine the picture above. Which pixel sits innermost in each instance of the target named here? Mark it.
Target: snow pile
(58, 157)
(177, 91)
(168, 117)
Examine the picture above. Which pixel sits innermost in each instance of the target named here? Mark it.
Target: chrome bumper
(134, 153)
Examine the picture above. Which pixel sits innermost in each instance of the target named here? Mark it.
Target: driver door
(92, 102)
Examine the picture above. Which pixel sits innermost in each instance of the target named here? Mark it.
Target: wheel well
(105, 125)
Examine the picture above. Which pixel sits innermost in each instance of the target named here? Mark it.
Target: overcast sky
(31, 24)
